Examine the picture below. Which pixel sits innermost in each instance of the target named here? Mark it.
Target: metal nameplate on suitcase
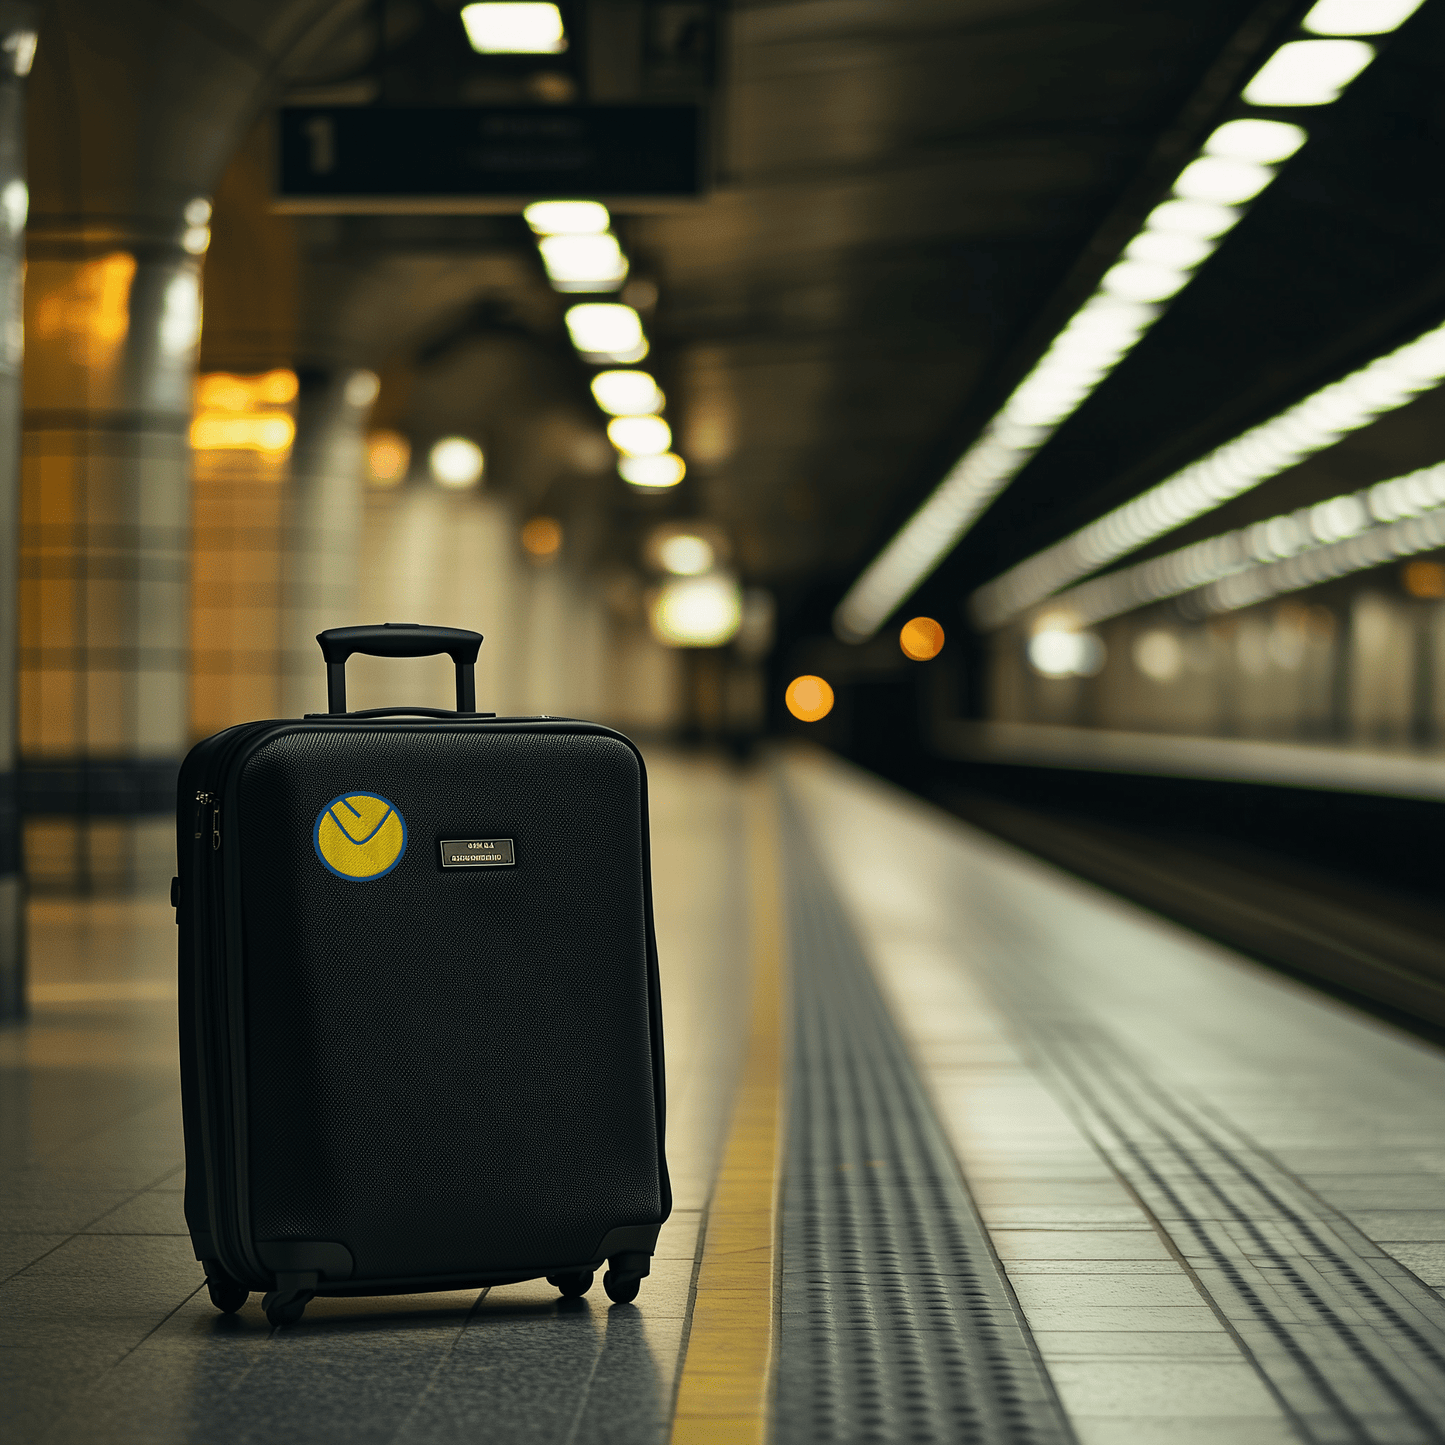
(478, 853)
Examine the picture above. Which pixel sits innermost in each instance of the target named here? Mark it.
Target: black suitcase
(421, 1036)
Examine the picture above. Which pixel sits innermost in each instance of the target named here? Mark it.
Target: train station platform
(963, 1149)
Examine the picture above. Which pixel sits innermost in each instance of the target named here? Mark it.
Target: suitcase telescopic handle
(400, 639)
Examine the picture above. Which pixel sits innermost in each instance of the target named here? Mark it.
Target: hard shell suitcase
(421, 1036)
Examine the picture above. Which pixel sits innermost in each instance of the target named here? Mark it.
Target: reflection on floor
(106, 1335)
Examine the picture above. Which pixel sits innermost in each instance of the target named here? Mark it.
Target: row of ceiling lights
(1294, 535)
(702, 604)
(581, 254)
(1210, 197)
(1355, 532)
(1284, 441)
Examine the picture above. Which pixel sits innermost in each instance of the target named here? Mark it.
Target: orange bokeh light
(921, 639)
(388, 455)
(542, 537)
(1424, 579)
(225, 391)
(809, 698)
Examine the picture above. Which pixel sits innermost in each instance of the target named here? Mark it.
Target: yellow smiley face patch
(360, 836)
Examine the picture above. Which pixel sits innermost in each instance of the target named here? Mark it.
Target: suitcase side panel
(450, 1071)
(202, 1013)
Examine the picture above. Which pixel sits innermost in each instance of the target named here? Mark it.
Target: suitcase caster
(620, 1291)
(226, 1294)
(287, 1302)
(572, 1286)
(624, 1279)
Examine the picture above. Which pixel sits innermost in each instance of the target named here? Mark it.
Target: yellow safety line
(724, 1392)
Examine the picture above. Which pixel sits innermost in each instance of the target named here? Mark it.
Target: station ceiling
(907, 199)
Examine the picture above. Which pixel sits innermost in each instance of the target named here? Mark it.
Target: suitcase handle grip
(399, 639)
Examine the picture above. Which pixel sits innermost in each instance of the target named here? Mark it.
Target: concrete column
(112, 319)
(17, 47)
(322, 534)
(238, 493)
(134, 114)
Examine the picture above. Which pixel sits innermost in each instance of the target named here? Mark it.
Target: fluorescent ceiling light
(456, 462)
(1144, 281)
(652, 472)
(1264, 451)
(1222, 181)
(1359, 17)
(1173, 249)
(514, 27)
(583, 263)
(1265, 141)
(567, 218)
(696, 611)
(639, 436)
(1191, 218)
(627, 393)
(1308, 72)
(607, 330)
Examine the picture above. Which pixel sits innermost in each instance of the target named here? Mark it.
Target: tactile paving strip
(1349, 1340)
(898, 1323)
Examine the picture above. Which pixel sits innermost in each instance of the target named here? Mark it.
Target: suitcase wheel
(621, 1291)
(572, 1286)
(226, 1294)
(285, 1307)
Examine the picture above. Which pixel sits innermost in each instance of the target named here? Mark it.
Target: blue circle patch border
(341, 798)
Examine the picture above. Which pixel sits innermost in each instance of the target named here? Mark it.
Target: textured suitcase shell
(424, 1077)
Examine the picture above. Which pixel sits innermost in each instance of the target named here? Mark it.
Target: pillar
(17, 49)
(132, 124)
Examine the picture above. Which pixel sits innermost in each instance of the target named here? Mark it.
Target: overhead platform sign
(468, 159)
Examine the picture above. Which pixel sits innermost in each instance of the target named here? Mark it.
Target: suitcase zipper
(202, 801)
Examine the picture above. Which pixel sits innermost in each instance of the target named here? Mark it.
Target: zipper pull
(216, 830)
(201, 800)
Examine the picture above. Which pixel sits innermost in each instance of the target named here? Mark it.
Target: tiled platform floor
(1089, 1061)
(1094, 1067)
(105, 1331)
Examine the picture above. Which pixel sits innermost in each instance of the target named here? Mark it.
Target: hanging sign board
(459, 159)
